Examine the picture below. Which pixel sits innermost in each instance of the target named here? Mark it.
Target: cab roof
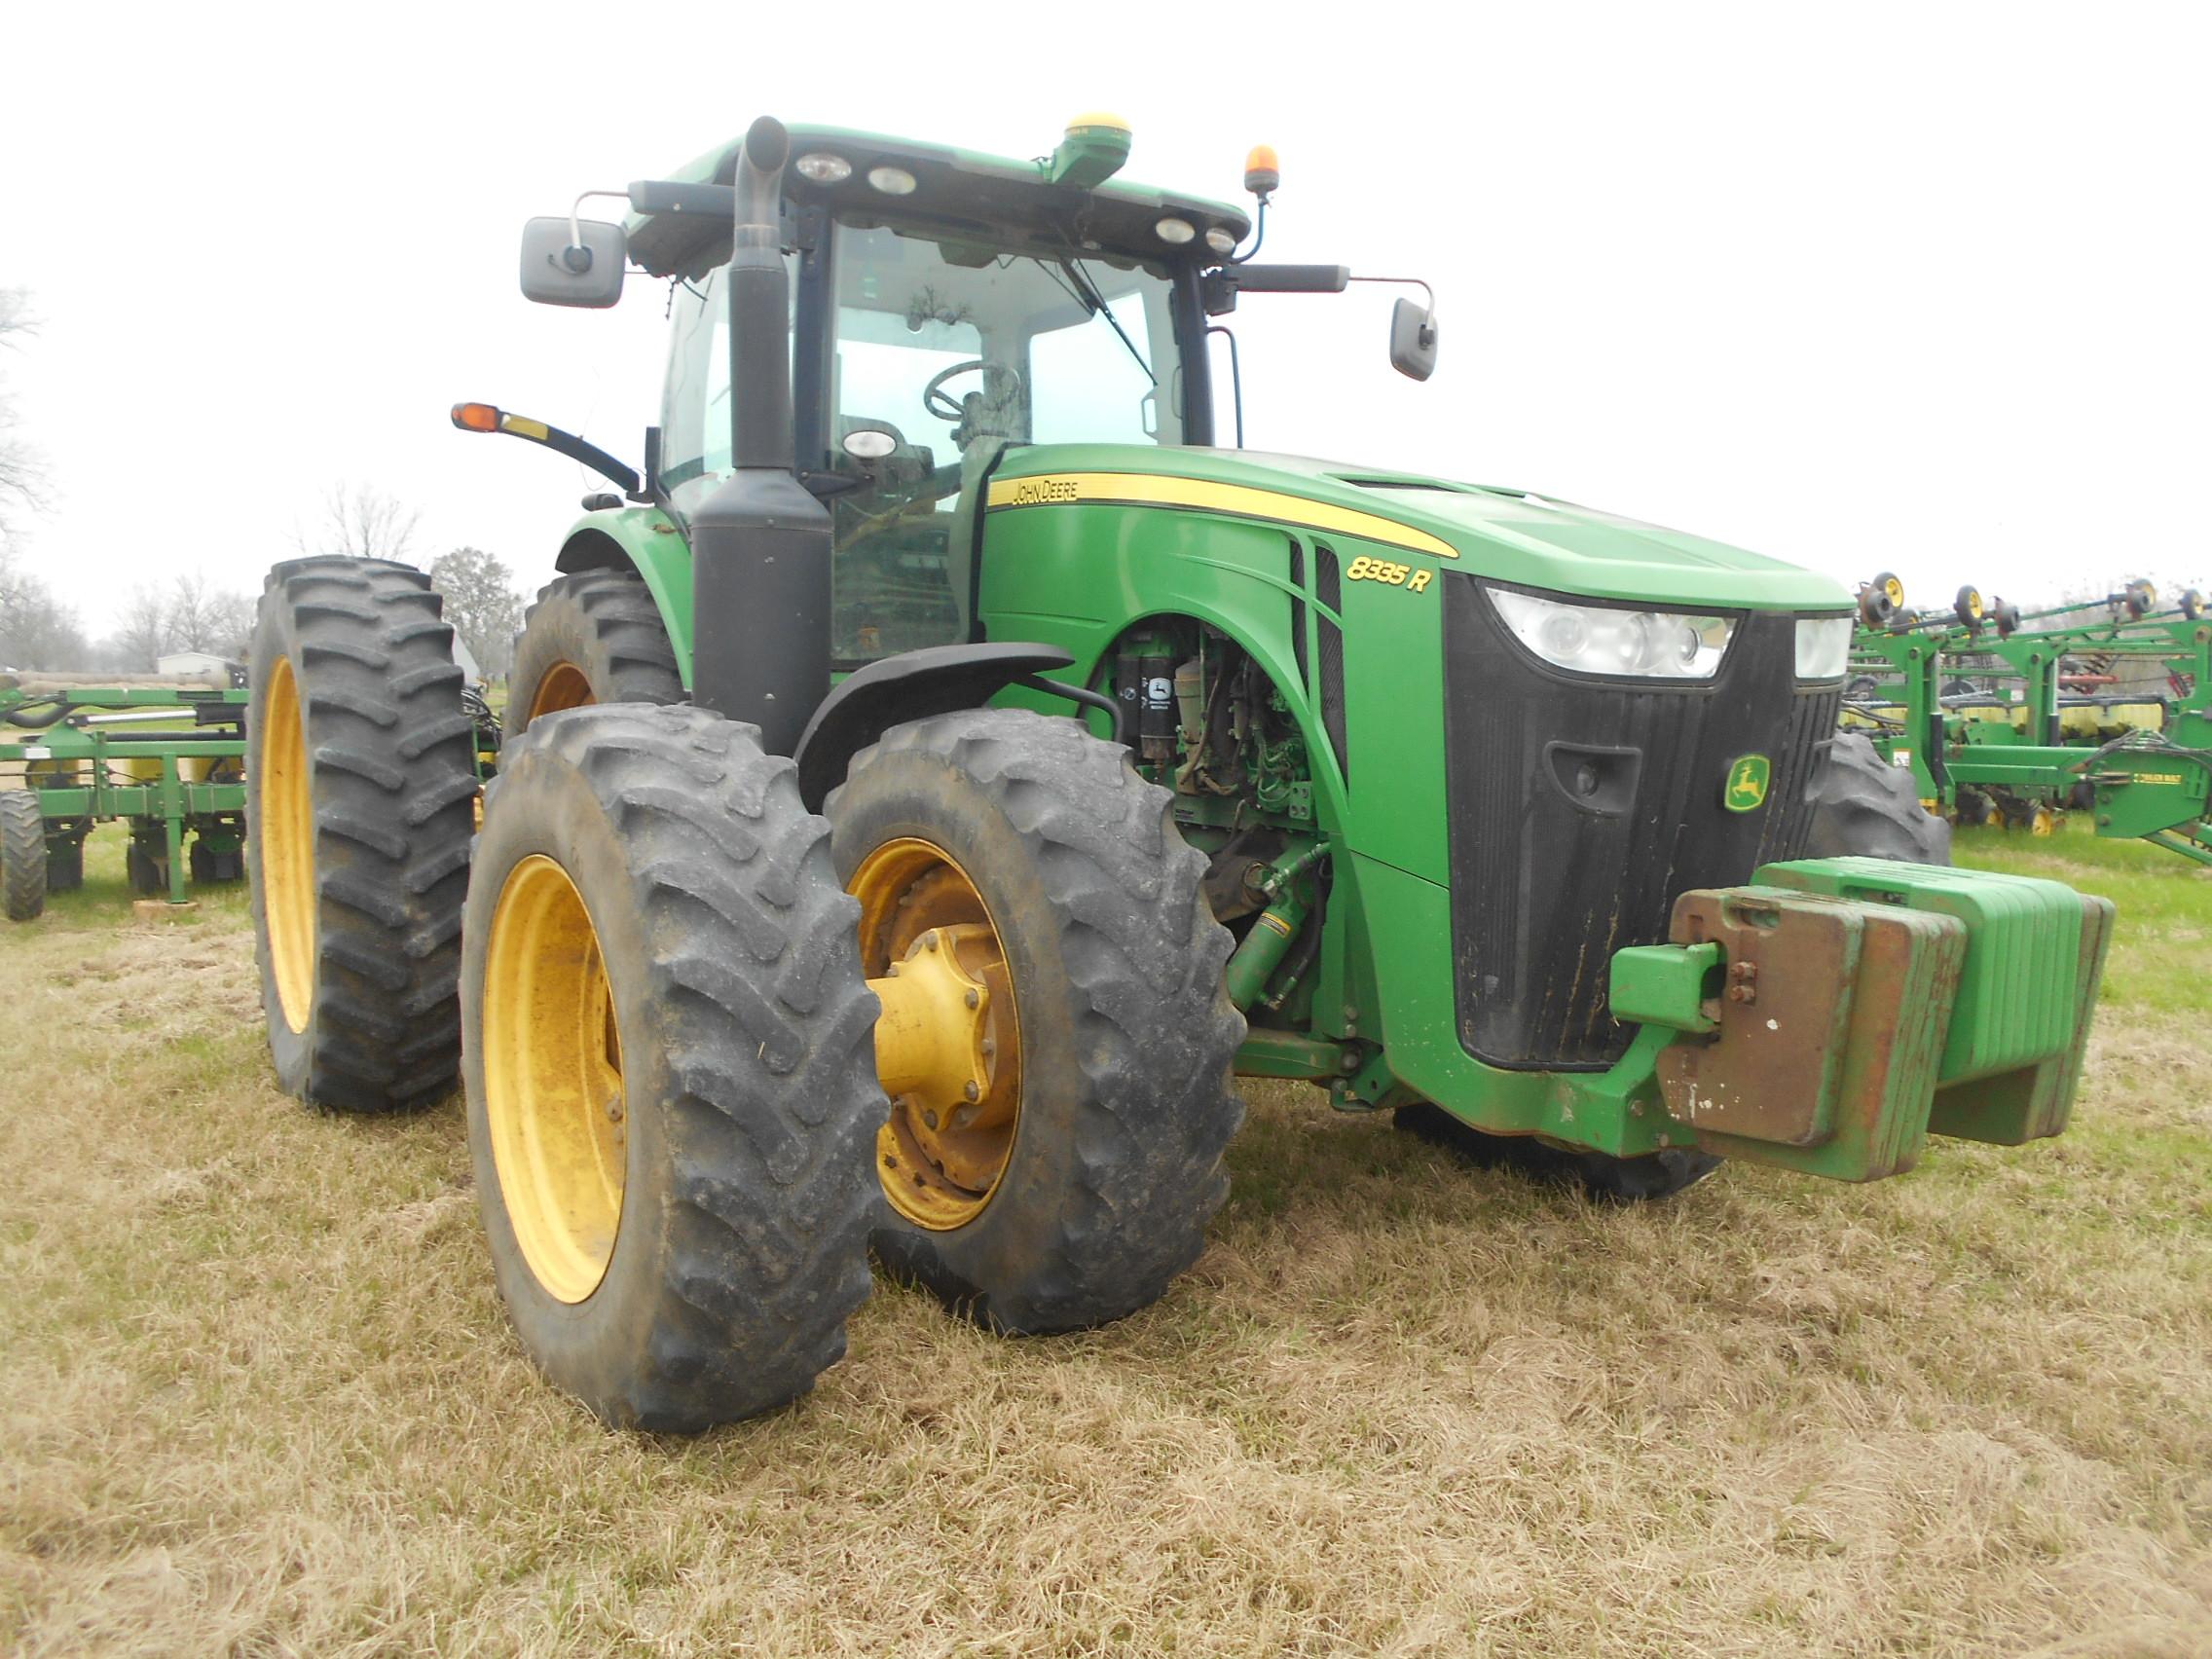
(959, 196)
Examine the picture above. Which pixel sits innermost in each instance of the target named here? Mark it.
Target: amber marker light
(476, 416)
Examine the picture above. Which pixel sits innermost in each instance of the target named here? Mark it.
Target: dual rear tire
(674, 1109)
(675, 1114)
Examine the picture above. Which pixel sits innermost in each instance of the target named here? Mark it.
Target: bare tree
(23, 469)
(36, 629)
(199, 617)
(481, 604)
(143, 635)
(362, 522)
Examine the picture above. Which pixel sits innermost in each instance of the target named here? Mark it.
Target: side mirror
(571, 261)
(1413, 340)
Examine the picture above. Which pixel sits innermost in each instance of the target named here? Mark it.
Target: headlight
(1824, 647)
(824, 167)
(1590, 639)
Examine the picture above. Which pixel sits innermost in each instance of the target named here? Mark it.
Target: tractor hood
(1514, 536)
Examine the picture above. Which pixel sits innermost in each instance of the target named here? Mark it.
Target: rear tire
(714, 1281)
(595, 637)
(1865, 808)
(1126, 1036)
(22, 856)
(359, 804)
(1621, 1180)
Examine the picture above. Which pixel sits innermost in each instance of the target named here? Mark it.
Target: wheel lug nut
(973, 998)
(930, 1118)
(929, 940)
(973, 1089)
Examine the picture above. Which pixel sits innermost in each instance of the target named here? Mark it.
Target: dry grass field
(257, 1393)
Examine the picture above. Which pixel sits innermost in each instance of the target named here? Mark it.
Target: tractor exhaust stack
(760, 543)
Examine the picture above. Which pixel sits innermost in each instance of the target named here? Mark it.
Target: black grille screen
(1298, 612)
(1579, 810)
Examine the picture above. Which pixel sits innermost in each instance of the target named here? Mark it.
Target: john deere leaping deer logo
(1747, 784)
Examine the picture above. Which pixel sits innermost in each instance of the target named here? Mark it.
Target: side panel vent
(1298, 614)
(1329, 590)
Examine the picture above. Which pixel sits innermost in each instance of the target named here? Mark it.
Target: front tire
(672, 1099)
(594, 637)
(1865, 808)
(1086, 1184)
(359, 804)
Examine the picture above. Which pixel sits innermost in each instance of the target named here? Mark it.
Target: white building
(196, 665)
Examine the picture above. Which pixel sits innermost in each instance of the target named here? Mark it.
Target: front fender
(648, 542)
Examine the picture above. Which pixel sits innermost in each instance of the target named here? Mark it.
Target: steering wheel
(1001, 387)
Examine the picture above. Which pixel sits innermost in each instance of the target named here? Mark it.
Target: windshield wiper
(1095, 302)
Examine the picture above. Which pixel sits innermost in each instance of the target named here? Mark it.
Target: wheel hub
(947, 1046)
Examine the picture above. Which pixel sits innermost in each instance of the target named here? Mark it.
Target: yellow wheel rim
(553, 1095)
(563, 687)
(949, 1044)
(284, 840)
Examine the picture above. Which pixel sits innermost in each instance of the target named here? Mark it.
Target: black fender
(913, 686)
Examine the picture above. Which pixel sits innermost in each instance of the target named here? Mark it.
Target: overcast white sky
(1918, 287)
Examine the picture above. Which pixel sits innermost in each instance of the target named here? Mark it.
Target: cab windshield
(941, 356)
(941, 346)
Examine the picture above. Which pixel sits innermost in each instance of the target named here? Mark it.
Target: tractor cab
(941, 307)
(927, 357)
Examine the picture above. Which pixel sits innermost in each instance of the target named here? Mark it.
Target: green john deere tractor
(941, 771)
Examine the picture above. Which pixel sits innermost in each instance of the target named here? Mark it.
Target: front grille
(1580, 809)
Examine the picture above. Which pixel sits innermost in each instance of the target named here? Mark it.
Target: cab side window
(894, 569)
(694, 415)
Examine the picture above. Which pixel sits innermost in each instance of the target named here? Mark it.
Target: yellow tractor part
(563, 687)
(284, 837)
(553, 1094)
(948, 1043)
